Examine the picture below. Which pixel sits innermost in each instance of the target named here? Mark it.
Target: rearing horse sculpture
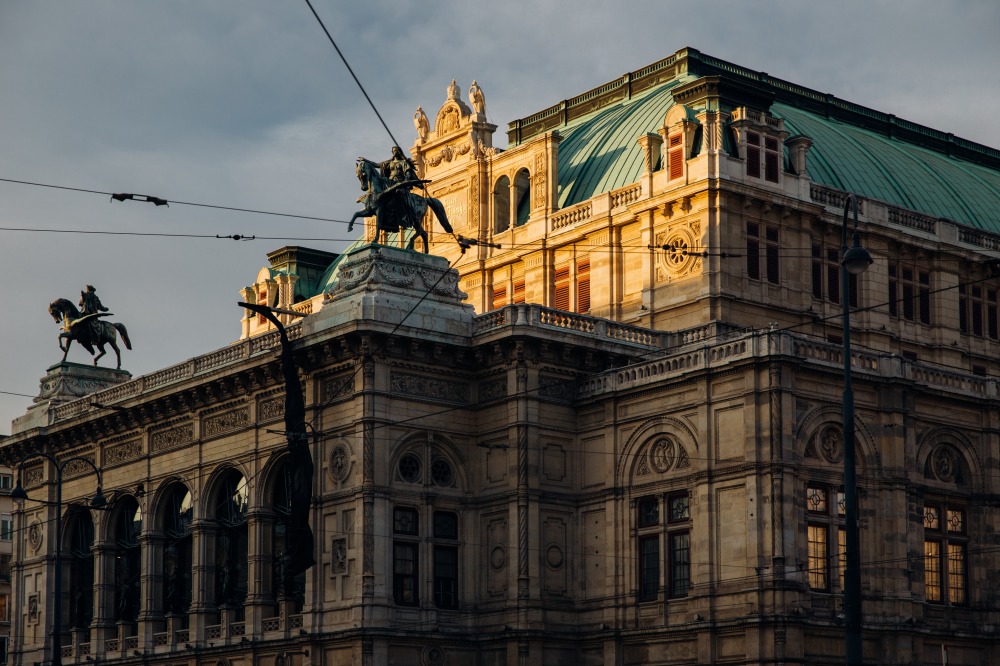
(86, 331)
(394, 206)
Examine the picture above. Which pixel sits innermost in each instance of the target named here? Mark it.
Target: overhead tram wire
(353, 75)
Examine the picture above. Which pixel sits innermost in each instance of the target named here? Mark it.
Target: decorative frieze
(119, 453)
(335, 387)
(226, 422)
(556, 388)
(171, 437)
(493, 389)
(402, 383)
(271, 409)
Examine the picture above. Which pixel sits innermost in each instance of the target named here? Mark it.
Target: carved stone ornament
(498, 557)
(943, 465)
(428, 387)
(123, 452)
(432, 656)
(35, 535)
(340, 462)
(339, 556)
(33, 608)
(665, 455)
(675, 257)
(831, 444)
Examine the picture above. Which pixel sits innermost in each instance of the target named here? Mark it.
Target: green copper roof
(855, 148)
(902, 174)
(600, 152)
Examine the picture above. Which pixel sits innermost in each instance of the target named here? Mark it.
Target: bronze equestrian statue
(86, 327)
(388, 197)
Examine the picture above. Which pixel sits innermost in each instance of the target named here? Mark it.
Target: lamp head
(857, 259)
(99, 502)
(19, 494)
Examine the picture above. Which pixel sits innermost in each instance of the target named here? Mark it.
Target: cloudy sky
(244, 103)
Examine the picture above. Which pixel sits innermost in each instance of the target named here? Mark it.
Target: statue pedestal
(65, 382)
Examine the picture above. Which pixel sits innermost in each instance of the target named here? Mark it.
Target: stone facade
(632, 455)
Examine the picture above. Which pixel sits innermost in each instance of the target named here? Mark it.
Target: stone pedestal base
(63, 383)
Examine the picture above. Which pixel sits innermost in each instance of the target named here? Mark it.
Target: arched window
(126, 526)
(177, 513)
(78, 562)
(522, 194)
(501, 205)
(283, 541)
(230, 504)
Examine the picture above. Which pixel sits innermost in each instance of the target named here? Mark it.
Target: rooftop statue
(388, 196)
(86, 327)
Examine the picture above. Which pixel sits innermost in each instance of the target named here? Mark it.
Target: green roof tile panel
(600, 152)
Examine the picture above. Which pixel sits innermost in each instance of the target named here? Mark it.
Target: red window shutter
(499, 297)
(583, 287)
(518, 292)
(771, 167)
(560, 299)
(676, 163)
(753, 161)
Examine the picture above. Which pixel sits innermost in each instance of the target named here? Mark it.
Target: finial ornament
(453, 91)
(477, 99)
(421, 123)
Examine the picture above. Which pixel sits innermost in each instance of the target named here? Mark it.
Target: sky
(246, 104)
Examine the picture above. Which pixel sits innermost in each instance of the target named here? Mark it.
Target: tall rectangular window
(6, 483)
(753, 154)
(649, 567)
(518, 291)
(909, 294)
(560, 299)
(6, 527)
(945, 554)
(977, 310)
(4, 607)
(445, 559)
(648, 548)
(5, 568)
(762, 252)
(675, 156)
(583, 286)
(825, 536)
(826, 275)
(679, 540)
(3, 649)
(771, 159)
(405, 558)
(499, 296)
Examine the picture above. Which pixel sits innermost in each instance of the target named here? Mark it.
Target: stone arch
(521, 191)
(501, 204)
(154, 513)
(820, 421)
(211, 485)
(429, 446)
(965, 467)
(641, 444)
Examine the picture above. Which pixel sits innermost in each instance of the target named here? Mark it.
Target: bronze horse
(89, 331)
(394, 206)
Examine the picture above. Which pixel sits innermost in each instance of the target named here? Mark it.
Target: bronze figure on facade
(388, 196)
(85, 326)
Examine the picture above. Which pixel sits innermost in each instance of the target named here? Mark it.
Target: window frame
(948, 541)
(763, 241)
(826, 519)
(909, 293)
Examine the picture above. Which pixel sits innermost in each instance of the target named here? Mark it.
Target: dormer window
(761, 137)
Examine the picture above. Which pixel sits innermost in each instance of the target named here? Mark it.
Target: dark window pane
(404, 521)
(445, 577)
(445, 525)
(404, 574)
(649, 512)
(680, 564)
(649, 567)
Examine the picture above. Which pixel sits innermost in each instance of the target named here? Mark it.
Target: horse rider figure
(401, 173)
(90, 304)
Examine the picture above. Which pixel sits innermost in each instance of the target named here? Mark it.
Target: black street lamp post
(19, 495)
(854, 261)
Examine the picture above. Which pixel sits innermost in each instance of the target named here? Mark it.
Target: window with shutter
(771, 159)
(518, 292)
(753, 154)
(560, 299)
(583, 286)
(499, 297)
(676, 156)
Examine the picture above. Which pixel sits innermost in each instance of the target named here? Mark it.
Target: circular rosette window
(677, 254)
